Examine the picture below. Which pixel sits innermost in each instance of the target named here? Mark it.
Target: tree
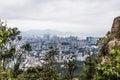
(71, 67)
(89, 68)
(39, 73)
(110, 68)
(27, 47)
(50, 56)
(8, 40)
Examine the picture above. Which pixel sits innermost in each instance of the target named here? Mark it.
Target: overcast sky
(93, 17)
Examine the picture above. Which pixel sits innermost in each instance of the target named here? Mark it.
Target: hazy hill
(42, 32)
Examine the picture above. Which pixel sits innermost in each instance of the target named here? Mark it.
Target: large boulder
(113, 37)
(114, 34)
(115, 30)
(116, 24)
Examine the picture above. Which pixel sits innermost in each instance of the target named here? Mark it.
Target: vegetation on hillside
(106, 66)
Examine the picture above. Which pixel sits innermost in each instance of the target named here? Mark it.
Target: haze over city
(88, 17)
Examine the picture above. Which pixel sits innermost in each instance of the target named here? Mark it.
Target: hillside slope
(107, 65)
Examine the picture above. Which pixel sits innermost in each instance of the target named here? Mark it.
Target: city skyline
(93, 17)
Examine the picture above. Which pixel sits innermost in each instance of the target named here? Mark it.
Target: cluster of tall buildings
(66, 46)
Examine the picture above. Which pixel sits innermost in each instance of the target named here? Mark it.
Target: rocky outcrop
(115, 30)
(114, 36)
(116, 25)
(111, 39)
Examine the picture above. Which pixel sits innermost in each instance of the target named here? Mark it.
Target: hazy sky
(93, 17)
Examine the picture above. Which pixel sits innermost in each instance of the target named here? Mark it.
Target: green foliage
(109, 69)
(16, 71)
(106, 72)
(89, 68)
(50, 56)
(8, 39)
(6, 75)
(102, 41)
(70, 67)
(46, 72)
(4, 34)
(27, 47)
(39, 73)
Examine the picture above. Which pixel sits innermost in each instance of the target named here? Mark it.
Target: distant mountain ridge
(43, 32)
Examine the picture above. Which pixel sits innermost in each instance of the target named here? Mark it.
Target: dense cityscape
(66, 47)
